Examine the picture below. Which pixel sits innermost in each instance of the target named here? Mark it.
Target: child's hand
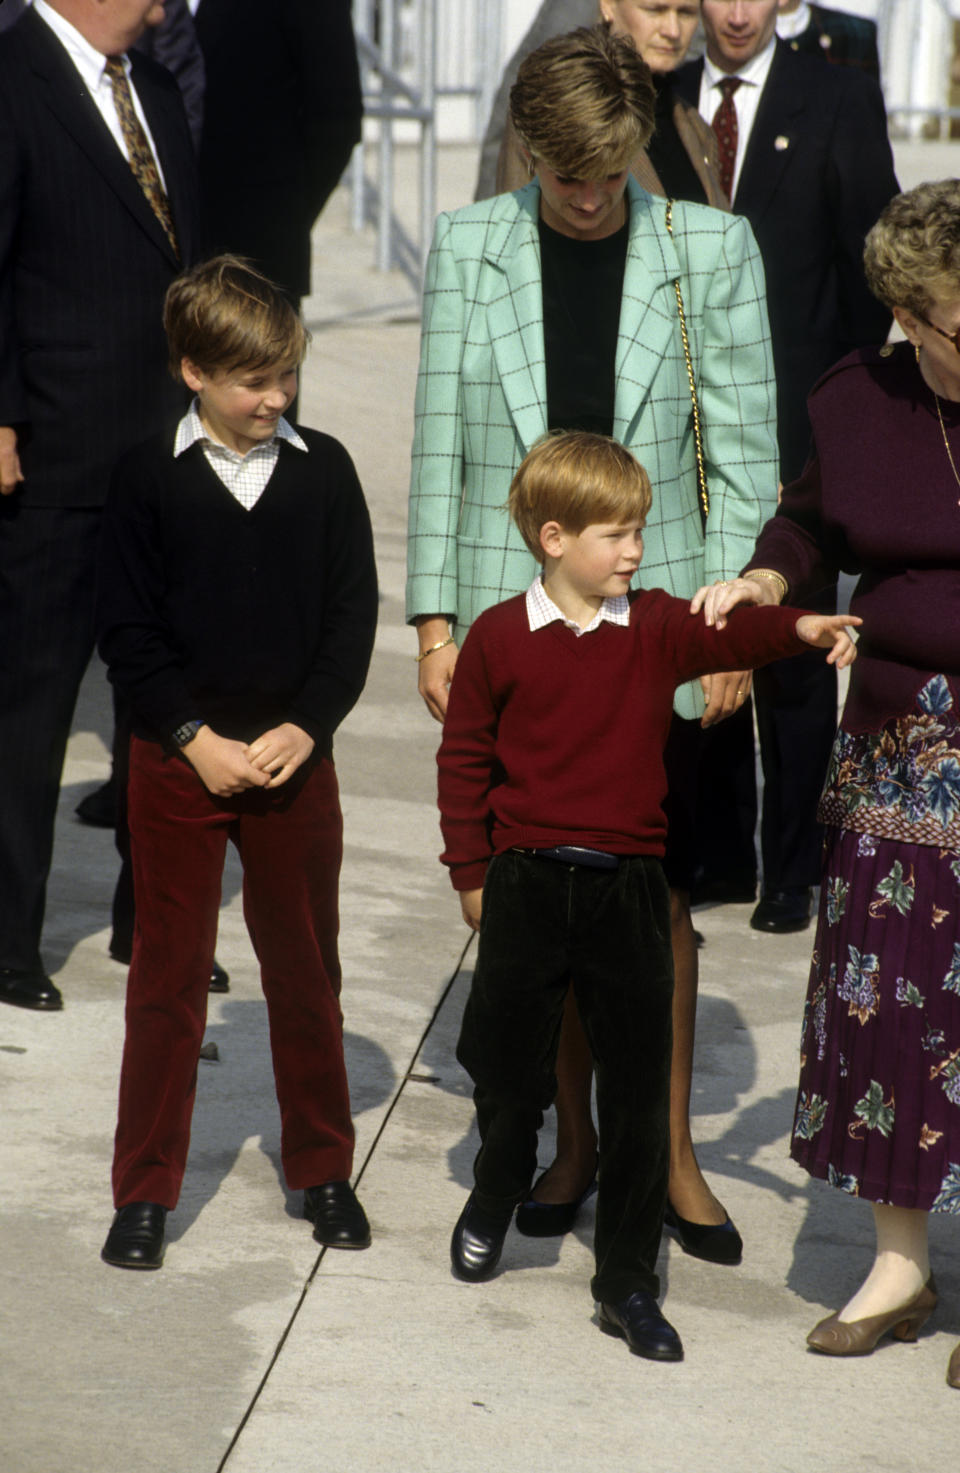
(278, 753)
(717, 599)
(470, 904)
(828, 632)
(222, 765)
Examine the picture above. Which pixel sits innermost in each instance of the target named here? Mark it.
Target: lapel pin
(826, 41)
(781, 142)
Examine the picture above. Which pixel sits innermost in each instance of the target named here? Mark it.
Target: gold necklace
(943, 428)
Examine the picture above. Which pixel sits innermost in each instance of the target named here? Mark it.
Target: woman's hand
(717, 599)
(829, 632)
(724, 694)
(435, 670)
(470, 904)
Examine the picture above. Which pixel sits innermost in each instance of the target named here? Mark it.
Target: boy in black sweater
(236, 614)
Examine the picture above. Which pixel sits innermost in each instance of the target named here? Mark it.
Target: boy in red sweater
(551, 788)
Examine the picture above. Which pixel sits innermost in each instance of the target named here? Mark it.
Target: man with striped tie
(98, 213)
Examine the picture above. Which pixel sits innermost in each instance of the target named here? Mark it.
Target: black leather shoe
(219, 978)
(338, 1219)
(639, 1321)
(781, 911)
(477, 1242)
(551, 1219)
(99, 808)
(713, 1242)
(29, 990)
(136, 1238)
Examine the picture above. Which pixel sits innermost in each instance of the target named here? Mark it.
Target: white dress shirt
(245, 476)
(91, 63)
(746, 99)
(541, 611)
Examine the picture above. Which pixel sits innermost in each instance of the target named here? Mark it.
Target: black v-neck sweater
(243, 619)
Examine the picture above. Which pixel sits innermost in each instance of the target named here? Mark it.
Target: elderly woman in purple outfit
(878, 1108)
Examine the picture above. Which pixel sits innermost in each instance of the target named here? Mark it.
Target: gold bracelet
(777, 578)
(433, 648)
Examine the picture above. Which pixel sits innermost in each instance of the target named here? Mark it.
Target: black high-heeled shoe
(714, 1242)
(551, 1219)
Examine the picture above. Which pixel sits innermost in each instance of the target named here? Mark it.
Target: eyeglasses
(951, 337)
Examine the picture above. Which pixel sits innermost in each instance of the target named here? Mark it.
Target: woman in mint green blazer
(583, 107)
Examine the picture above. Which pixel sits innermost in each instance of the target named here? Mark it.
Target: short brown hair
(223, 315)
(912, 254)
(576, 478)
(583, 103)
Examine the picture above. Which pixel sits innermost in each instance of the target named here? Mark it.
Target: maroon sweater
(551, 738)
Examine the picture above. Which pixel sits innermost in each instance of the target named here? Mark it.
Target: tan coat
(697, 137)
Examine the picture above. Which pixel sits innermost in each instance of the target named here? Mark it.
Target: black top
(582, 288)
(243, 619)
(667, 153)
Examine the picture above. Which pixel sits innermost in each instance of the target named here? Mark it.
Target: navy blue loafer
(637, 1319)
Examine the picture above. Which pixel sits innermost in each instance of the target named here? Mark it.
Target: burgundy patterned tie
(725, 126)
(140, 157)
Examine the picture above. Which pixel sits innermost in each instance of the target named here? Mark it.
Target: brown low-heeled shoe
(834, 1336)
(953, 1369)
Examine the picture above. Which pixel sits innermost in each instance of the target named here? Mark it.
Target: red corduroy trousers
(290, 842)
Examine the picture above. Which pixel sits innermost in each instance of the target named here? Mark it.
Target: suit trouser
(48, 558)
(544, 926)
(290, 843)
(796, 704)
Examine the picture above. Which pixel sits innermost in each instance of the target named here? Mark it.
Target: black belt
(575, 854)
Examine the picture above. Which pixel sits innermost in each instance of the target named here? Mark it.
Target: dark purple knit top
(878, 498)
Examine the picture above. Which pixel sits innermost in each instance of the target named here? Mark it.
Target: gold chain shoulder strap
(702, 489)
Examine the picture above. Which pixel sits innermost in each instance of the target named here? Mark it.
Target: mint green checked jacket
(481, 400)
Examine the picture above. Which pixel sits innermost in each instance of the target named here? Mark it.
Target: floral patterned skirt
(878, 1109)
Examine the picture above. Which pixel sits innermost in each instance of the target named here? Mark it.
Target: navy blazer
(817, 172)
(84, 265)
(282, 113)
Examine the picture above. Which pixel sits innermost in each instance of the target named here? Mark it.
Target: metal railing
(414, 55)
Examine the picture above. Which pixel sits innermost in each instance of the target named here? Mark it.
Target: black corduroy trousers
(546, 925)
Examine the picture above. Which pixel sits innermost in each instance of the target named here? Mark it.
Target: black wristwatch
(187, 732)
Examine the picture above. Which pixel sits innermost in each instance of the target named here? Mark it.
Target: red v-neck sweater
(551, 738)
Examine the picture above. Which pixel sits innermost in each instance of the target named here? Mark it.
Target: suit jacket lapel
(647, 308)
(773, 138)
(74, 108)
(515, 317)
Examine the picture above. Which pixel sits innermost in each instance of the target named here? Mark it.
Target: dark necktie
(140, 157)
(725, 126)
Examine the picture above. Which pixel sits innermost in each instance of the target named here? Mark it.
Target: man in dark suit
(87, 250)
(841, 38)
(810, 167)
(282, 112)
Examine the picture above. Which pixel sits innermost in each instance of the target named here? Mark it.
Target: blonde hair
(224, 315)
(576, 478)
(912, 254)
(584, 103)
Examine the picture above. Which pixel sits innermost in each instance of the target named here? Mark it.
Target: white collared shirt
(746, 99)
(91, 64)
(794, 24)
(541, 611)
(245, 476)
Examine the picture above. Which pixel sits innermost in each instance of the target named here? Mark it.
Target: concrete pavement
(255, 1352)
